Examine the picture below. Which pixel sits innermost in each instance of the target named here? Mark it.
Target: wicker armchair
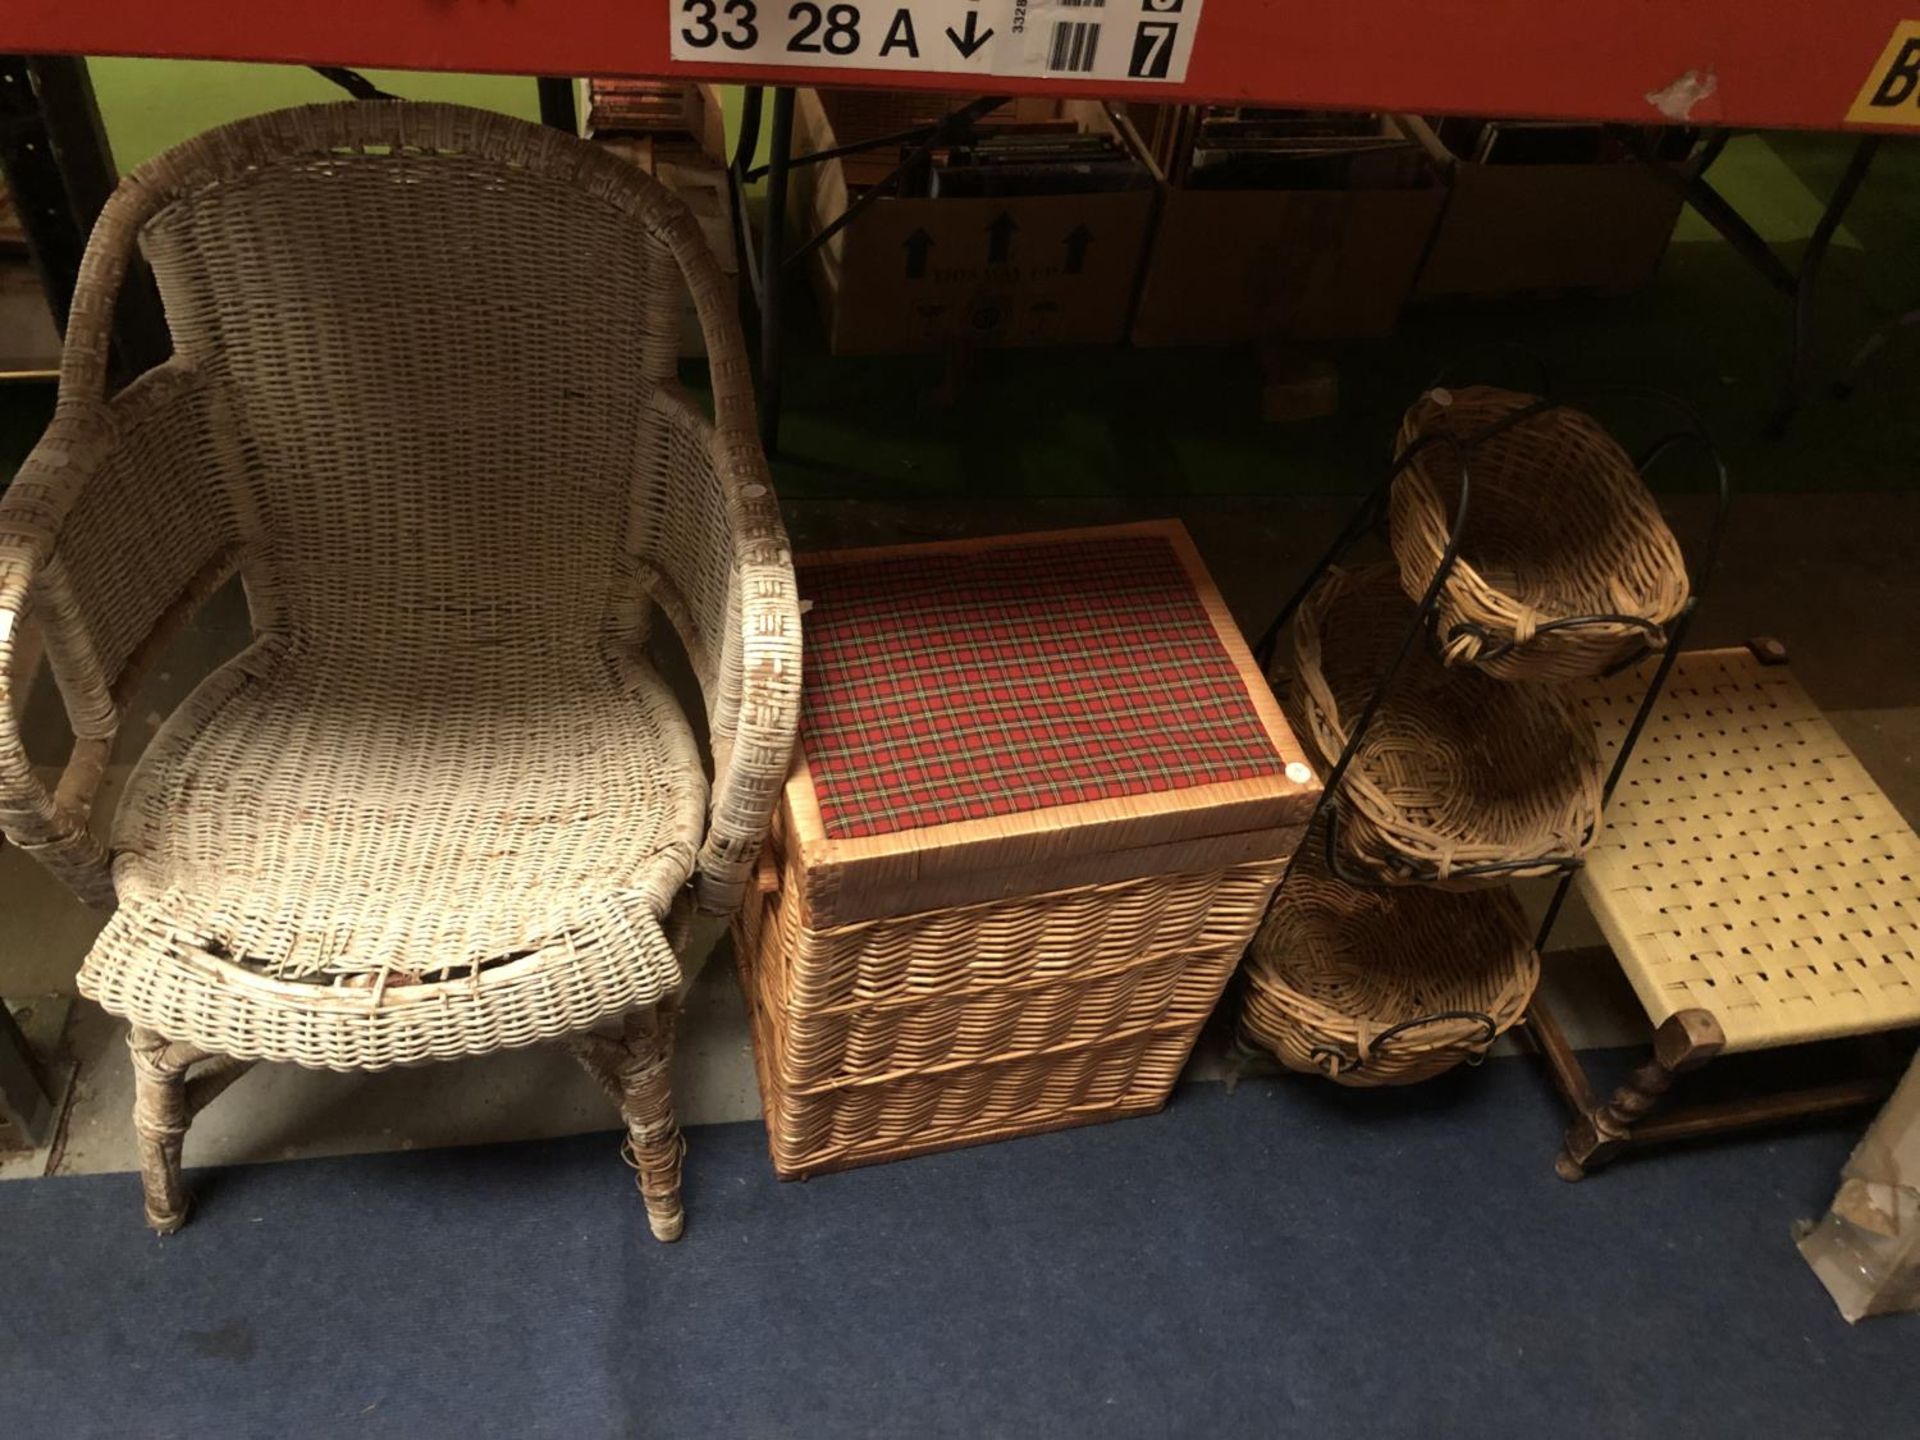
(422, 401)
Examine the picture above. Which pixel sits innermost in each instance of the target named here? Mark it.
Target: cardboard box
(1520, 229)
(915, 274)
(1234, 265)
(671, 113)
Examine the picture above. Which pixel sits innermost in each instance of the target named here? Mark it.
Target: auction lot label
(1071, 39)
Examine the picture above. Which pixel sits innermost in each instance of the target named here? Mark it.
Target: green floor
(1185, 422)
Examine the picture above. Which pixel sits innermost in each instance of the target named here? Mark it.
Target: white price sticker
(1070, 39)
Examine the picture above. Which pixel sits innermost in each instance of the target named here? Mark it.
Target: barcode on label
(1072, 49)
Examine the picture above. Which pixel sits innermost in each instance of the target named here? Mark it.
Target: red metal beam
(1788, 63)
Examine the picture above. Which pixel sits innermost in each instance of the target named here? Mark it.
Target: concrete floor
(1831, 574)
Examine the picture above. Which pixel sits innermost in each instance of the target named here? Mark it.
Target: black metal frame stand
(59, 170)
(766, 269)
(1666, 640)
(26, 1101)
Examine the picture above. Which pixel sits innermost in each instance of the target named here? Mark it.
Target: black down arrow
(1000, 238)
(917, 245)
(1078, 239)
(967, 42)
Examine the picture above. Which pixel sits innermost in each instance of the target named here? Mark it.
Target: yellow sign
(1891, 95)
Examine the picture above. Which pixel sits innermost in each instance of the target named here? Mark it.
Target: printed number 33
(742, 33)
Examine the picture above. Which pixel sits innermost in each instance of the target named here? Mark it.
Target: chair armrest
(111, 536)
(30, 815)
(722, 569)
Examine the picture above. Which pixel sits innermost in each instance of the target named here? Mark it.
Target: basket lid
(1008, 709)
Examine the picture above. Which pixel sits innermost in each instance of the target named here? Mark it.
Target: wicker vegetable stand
(1042, 800)
(1528, 552)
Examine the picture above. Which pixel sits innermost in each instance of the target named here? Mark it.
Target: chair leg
(160, 1120)
(636, 1071)
(1685, 1041)
(654, 1144)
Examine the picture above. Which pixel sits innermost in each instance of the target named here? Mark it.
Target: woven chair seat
(305, 848)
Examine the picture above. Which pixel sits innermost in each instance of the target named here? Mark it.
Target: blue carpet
(1286, 1260)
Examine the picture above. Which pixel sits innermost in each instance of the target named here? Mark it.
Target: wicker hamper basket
(1041, 802)
(1384, 987)
(1566, 568)
(1460, 780)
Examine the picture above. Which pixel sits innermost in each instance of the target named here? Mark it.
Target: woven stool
(1757, 887)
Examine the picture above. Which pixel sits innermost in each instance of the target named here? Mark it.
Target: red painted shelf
(1789, 63)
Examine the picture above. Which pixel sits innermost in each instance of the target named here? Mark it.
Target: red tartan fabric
(946, 687)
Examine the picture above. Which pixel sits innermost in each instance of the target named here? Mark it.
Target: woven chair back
(432, 341)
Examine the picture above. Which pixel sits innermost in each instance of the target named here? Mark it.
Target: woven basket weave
(892, 1037)
(1042, 800)
(1559, 527)
(1378, 987)
(1456, 770)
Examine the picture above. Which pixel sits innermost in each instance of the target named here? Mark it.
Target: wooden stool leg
(160, 1120)
(1685, 1041)
(636, 1072)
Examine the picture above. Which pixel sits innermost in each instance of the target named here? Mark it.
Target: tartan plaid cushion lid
(960, 686)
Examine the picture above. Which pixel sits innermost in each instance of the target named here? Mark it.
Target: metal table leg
(1798, 285)
(739, 176)
(773, 249)
(26, 1107)
(1803, 288)
(53, 152)
(556, 105)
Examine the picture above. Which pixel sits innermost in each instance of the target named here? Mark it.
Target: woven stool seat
(1749, 866)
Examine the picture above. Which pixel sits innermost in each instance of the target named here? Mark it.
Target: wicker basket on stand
(1566, 568)
(1383, 987)
(1460, 781)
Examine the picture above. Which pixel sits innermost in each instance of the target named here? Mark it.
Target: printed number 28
(842, 35)
(743, 34)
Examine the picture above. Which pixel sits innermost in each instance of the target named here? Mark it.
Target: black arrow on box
(917, 245)
(1000, 238)
(1078, 239)
(967, 41)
